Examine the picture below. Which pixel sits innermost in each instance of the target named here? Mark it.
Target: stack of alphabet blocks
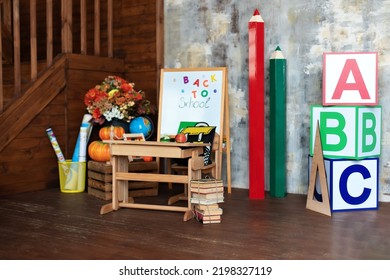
(349, 121)
(100, 179)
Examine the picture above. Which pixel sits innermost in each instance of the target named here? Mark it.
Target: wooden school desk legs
(120, 190)
(180, 196)
(106, 208)
(188, 215)
(121, 176)
(193, 173)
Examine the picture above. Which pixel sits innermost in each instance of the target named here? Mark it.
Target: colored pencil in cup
(55, 145)
(69, 183)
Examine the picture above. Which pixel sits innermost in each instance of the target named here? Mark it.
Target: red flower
(138, 96)
(90, 96)
(96, 113)
(126, 87)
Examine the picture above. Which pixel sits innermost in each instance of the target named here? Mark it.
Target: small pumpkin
(99, 151)
(116, 131)
(147, 158)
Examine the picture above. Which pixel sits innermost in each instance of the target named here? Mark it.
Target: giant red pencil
(256, 107)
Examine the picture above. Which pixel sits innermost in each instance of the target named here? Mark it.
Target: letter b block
(351, 132)
(352, 184)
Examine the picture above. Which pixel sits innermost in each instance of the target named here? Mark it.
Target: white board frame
(178, 103)
(173, 87)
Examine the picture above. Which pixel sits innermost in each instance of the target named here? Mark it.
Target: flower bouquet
(115, 98)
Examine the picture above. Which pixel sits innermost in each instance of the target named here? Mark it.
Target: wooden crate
(100, 179)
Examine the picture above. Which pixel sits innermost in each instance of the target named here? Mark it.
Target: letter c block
(352, 184)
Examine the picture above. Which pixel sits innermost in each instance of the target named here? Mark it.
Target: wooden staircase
(54, 99)
(51, 82)
(37, 93)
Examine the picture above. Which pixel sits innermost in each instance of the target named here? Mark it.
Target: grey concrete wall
(209, 33)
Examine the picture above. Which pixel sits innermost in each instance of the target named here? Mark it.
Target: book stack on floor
(206, 194)
(208, 214)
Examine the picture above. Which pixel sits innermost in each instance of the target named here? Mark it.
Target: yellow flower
(112, 92)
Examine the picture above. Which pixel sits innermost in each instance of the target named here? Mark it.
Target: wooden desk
(120, 150)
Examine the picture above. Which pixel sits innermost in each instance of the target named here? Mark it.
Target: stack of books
(208, 214)
(206, 194)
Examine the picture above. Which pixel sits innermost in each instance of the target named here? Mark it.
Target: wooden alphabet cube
(352, 184)
(350, 79)
(352, 132)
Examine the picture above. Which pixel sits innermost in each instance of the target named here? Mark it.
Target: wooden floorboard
(52, 225)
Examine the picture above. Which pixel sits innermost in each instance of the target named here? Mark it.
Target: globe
(141, 125)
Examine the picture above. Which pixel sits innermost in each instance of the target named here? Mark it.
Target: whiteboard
(191, 95)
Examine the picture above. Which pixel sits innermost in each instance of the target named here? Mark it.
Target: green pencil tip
(277, 49)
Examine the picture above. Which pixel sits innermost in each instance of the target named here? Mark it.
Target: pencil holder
(72, 176)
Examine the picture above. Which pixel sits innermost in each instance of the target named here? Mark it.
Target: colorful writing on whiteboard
(198, 91)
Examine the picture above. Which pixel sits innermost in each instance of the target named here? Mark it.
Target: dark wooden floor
(52, 225)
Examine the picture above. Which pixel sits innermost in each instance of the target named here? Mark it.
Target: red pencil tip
(256, 13)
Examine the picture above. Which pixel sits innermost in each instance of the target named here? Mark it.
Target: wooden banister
(97, 27)
(11, 13)
(17, 75)
(33, 39)
(110, 34)
(66, 20)
(49, 32)
(83, 26)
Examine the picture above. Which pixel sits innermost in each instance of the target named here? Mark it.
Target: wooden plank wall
(28, 163)
(135, 41)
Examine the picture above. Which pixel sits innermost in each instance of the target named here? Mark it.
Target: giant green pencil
(277, 124)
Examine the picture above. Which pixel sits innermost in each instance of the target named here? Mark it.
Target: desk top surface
(157, 143)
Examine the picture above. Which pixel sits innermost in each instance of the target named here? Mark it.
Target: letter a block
(350, 132)
(352, 184)
(350, 79)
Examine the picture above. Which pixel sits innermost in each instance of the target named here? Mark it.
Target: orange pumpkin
(117, 132)
(99, 151)
(147, 158)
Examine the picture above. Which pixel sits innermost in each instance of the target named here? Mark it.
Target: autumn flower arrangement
(115, 98)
